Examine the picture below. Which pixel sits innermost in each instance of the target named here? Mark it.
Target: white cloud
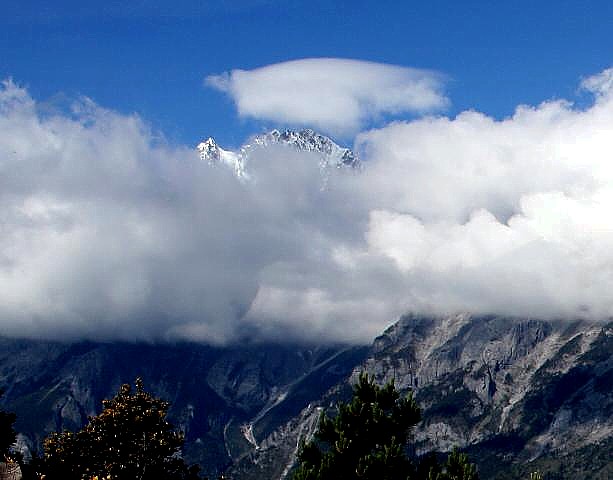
(498, 216)
(107, 233)
(600, 84)
(330, 94)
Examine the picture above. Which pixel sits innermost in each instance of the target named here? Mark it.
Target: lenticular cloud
(108, 233)
(331, 94)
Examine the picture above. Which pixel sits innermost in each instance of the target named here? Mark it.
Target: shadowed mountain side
(55, 386)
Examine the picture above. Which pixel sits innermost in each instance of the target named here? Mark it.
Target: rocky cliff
(518, 394)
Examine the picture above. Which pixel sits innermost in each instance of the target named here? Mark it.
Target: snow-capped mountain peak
(310, 141)
(330, 154)
(213, 154)
(208, 149)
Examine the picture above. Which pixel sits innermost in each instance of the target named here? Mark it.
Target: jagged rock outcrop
(329, 154)
(479, 377)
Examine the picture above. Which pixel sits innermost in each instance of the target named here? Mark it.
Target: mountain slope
(518, 394)
(215, 393)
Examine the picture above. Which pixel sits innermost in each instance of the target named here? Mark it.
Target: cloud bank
(332, 95)
(109, 233)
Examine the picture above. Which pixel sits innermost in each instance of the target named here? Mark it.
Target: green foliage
(130, 439)
(8, 436)
(367, 440)
(457, 467)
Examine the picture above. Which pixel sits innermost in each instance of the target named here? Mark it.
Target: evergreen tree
(457, 467)
(129, 440)
(367, 440)
(8, 436)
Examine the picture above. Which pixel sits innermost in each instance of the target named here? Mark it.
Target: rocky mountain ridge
(519, 394)
(330, 154)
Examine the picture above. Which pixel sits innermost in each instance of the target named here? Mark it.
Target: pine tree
(367, 440)
(457, 467)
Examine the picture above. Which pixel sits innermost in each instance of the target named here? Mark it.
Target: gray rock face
(514, 392)
(479, 377)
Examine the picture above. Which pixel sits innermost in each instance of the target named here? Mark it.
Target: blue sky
(151, 57)
(469, 202)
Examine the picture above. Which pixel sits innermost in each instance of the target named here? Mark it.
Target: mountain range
(518, 394)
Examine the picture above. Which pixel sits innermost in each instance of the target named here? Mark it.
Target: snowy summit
(307, 140)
